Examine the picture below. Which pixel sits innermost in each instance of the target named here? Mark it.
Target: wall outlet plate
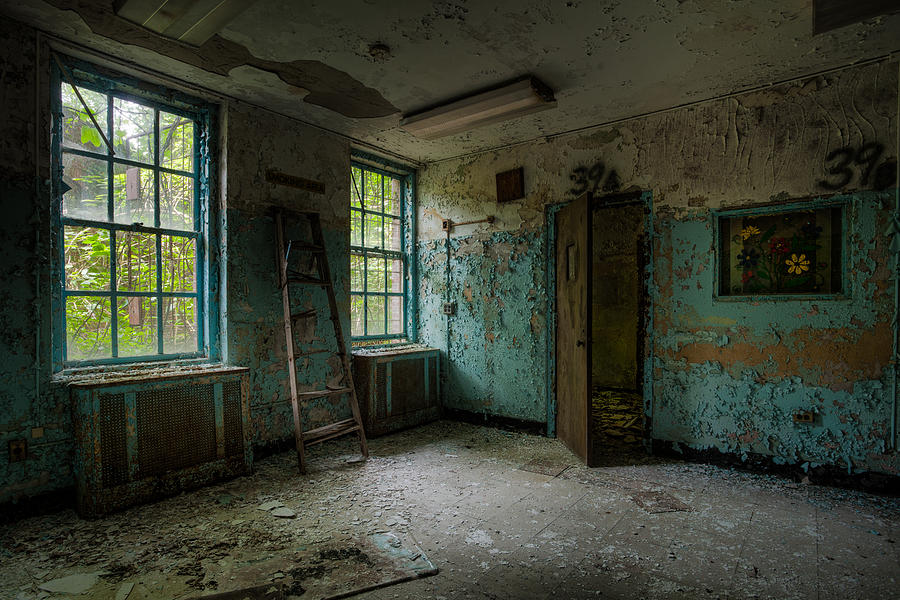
(804, 416)
(449, 308)
(18, 450)
(445, 225)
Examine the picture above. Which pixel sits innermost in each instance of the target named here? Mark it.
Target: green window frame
(380, 243)
(131, 232)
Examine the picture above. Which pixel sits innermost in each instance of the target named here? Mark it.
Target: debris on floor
(454, 497)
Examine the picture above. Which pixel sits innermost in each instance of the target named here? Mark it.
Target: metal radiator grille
(176, 428)
(114, 457)
(408, 385)
(433, 367)
(380, 391)
(231, 407)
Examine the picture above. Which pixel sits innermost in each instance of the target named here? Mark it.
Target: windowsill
(105, 374)
(402, 348)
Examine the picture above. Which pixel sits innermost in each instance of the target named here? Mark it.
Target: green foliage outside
(89, 249)
(376, 265)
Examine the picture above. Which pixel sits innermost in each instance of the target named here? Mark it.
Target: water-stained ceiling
(355, 66)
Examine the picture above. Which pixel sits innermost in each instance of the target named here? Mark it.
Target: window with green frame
(378, 254)
(130, 222)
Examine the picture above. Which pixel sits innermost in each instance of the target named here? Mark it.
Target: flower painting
(795, 252)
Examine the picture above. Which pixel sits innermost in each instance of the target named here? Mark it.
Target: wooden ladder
(322, 278)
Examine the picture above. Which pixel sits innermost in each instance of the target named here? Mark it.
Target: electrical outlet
(445, 225)
(18, 450)
(449, 308)
(804, 416)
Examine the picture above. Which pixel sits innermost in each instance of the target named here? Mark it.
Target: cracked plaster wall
(726, 374)
(251, 141)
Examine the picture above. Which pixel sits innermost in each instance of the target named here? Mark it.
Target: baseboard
(44, 503)
(507, 423)
(830, 475)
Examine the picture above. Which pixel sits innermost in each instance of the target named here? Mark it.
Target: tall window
(129, 222)
(378, 254)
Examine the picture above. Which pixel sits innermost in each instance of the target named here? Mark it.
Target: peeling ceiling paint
(605, 60)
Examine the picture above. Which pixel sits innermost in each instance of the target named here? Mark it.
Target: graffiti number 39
(592, 179)
(840, 171)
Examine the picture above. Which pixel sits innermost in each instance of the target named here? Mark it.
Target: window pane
(375, 280)
(374, 225)
(373, 191)
(133, 195)
(133, 125)
(356, 315)
(135, 261)
(179, 257)
(137, 326)
(176, 142)
(375, 320)
(87, 258)
(355, 187)
(781, 253)
(392, 196)
(87, 178)
(395, 314)
(356, 273)
(392, 234)
(395, 276)
(176, 202)
(78, 129)
(88, 328)
(179, 325)
(355, 228)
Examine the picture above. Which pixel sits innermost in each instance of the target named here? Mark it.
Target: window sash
(368, 252)
(196, 234)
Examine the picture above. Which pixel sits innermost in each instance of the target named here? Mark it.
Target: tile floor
(655, 529)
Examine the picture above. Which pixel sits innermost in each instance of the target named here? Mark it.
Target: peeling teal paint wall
(723, 374)
(729, 374)
(32, 406)
(497, 335)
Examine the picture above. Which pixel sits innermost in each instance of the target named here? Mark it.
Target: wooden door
(573, 326)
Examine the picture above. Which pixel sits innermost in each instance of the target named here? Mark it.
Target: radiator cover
(397, 388)
(142, 438)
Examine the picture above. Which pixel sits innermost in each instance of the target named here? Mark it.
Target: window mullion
(157, 223)
(113, 298)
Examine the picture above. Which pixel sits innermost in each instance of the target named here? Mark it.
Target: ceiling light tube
(521, 97)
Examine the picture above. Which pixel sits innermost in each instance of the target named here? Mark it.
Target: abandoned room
(449, 299)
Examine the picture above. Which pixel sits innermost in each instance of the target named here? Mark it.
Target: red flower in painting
(747, 276)
(779, 245)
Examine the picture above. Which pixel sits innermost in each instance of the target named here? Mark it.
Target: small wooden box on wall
(511, 185)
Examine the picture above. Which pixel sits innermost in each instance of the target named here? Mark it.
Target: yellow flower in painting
(748, 231)
(796, 265)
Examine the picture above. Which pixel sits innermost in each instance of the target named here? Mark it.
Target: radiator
(142, 438)
(397, 388)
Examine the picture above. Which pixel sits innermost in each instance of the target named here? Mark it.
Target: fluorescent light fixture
(189, 21)
(521, 97)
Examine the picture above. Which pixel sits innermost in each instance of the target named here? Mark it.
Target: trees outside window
(129, 225)
(378, 254)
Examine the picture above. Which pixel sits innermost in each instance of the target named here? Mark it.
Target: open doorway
(618, 326)
(602, 326)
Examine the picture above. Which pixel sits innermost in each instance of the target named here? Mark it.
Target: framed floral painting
(781, 253)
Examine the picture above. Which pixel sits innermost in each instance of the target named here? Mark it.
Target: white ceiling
(605, 60)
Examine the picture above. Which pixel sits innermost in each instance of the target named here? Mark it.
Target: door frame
(550, 240)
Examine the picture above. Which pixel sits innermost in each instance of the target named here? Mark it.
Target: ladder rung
(303, 279)
(321, 434)
(314, 351)
(304, 246)
(323, 393)
(303, 314)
